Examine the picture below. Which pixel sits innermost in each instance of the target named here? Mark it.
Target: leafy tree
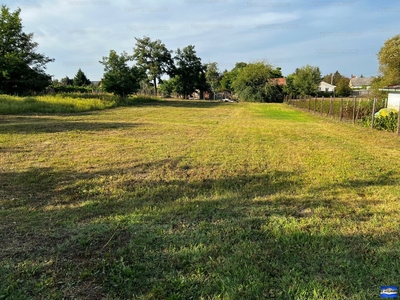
(333, 78)
(22, 70)
(290, 88)
(276, 73)
(154, 57)
(189, 71)
(254, 83)
(80, 79)
(167, 87)
(343, 88)
(118, 77)
(389, 61)
(66, 81)
(213, 76)
(378, 83)
(228, 77)
(305, 80)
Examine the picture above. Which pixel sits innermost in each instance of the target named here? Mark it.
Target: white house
(326, 87)
(393, 96)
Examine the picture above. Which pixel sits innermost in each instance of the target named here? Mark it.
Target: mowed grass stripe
(180, 200)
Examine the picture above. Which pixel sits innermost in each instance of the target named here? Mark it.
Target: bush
(388, 122)
(384, 120)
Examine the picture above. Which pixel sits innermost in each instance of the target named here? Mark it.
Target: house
(393, 96)
(279, 81)
(362, 83)
(326, 87)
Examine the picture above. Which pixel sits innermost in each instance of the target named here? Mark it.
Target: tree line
(23, 70)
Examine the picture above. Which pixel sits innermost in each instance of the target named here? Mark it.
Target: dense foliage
(389, 61)
(22, 68)
(304, 81)
(254, 83)
(119, 78)
(154, 57)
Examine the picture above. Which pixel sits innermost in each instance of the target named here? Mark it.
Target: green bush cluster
(387, 123)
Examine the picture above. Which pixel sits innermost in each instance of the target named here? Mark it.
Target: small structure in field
(393, 96)
(326, 87)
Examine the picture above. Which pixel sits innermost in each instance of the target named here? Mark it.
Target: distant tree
(80, 79)
(276, 73)
(22, 70)
(154, 57)
(189, 71)
(66, 81)
(343, 88)
(389, 61)
(228, 77)
(378, 83)
(213, 76)
(167, 87)
(333, 78)
(254, 83)
(290, 88)
(305, 80)
(118, 77)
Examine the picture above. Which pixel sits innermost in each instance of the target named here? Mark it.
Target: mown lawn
(196, 200)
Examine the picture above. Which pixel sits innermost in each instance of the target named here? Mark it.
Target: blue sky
(333, 35)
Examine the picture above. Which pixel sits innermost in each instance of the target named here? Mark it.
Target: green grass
(64, 103)
(196, 200)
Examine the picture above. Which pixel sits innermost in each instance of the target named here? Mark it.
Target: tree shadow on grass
(30, 125)
(239, 237)
(180, 103)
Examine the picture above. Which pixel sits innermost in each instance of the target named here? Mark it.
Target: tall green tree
(389, 61)
(213, 76)
(118, 77)
(254, 83)
(80, 79)
(22, 69)
(66, 81)
(343, 88)
(189, 71)
(154, 57)
(333, 78)
(305, 80)
(229, 76)
(167, 87)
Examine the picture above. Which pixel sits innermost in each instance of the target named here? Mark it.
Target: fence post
(354, 109)
(309, 103)
(315, 104)
(330, 107)
(373, 113)
(322, 106)
(341, 109)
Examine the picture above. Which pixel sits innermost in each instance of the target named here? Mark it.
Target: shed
(326, 87)
(393, 96)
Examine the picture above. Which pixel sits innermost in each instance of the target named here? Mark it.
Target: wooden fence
(345, 109)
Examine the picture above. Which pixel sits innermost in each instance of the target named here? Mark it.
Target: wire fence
(356, 110)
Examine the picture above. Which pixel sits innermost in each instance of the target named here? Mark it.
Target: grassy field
(196, 200)
(62, 103)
